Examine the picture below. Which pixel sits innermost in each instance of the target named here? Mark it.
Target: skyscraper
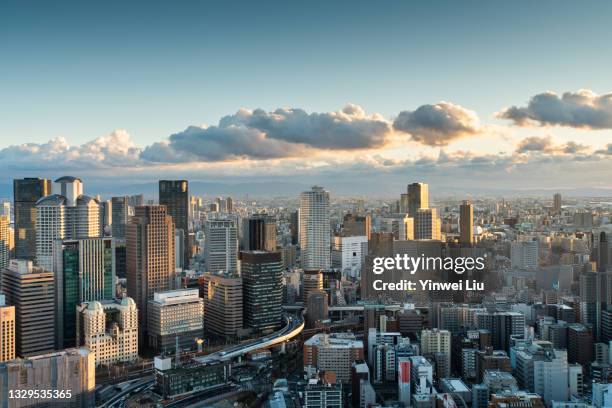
(31, 290)
(223, 312)
(26, 192)
(66, 214)
(314, 227)
(557, 202)
(418, 197)
(258, 233)
(262, 274)
(5, 240)
(427, 224)
(84, 271)
(7, 330)
(149, 257)
(466, 223)
(119, 219)
(174, 194)
(221, 246)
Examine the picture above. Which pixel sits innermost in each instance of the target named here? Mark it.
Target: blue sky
(80, 70)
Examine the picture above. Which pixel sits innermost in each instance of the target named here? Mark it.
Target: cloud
(113, 150)
(582, 109)
(546, 145)
(265, 135)
(607, 151)
(439, 124)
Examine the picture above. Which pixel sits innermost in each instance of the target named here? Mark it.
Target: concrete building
(31, 290)
(172, 314)
(258, 233)
(437, 341)
(150, 257)
(524, 255)
(109, 329)
(7, 330)
(332, 352)
(221, 246)
(418, 198)
(427, 224)
(65, 214)
(119, 217)
(223, 304)
(348, 254)
(262, 287)
(5, 240)
(466, 223)
(26, 192)
(70, 371)
(315, 229)
(174, 194)
(84, 271)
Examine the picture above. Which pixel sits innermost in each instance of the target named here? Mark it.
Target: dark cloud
(582, 109)
(535, 144)
(439, 124)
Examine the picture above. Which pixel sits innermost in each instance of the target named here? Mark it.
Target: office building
(31, 290)
(316, 307)
(311, 281)
(5, 241)
(109, 329)
(524, 255)
(70, 370)
(314, 228)
(503, 326)
(221, 246)
(174, 194)
(320, 394)
(7, 330)
(120, 216)
(175, 314)
(418, 198)
(348, 254)
(557, 202)
(262, 274)
(223, 304)
(65, 214)
(149, 256)
(427, 224)
(26, 192)
(466, 223)
(400, 225)
(258, 233)
(84, 272)
(332, 352)
(579, 344)
(355, 225)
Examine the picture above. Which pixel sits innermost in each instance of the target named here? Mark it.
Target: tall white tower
(314, 225)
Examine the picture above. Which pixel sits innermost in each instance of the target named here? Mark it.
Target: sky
(495, 96)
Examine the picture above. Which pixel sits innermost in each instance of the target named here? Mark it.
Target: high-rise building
(149, 257)
(418, 198)
(221, 246)
(65, 214)
(31, 290)
(84, 271)
(174, 194)
(312, 281)
(354, 225)
(348, 254)
(71, 371)
(109, 329)
(258, 233)
(5, 241)
(316, 307)
(579, 344)
(438, 342)
(175, 314)
(120, 216)
(7, 330)
(524, 255)
(557, 202)
(223, 306)
(427, 224)
(503, 326)
(26, 192)
(315, 229)
(466, 223)
(262, 274)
